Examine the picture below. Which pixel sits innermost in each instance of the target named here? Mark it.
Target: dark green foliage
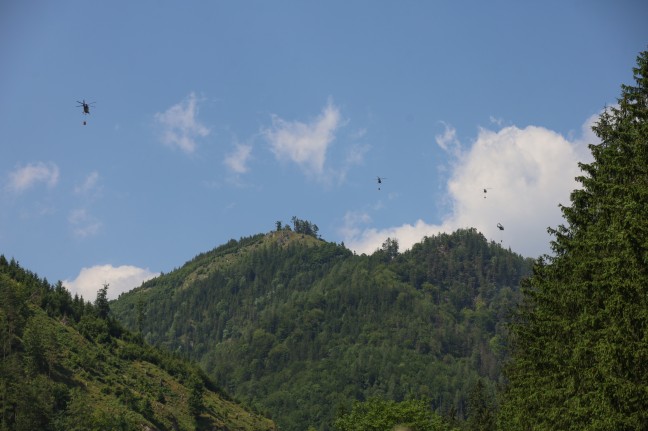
(140, 316)
(196, 389)
(303, 227)
(101, 303)
(301, 328)
(39, 345)
(94, 328)
(67, 365)
(379, 415)
(481, 409)
(581, 337)
(80, 413)
(389, 249)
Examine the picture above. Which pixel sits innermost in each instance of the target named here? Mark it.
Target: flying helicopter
(86, 108)
(486, 189)
(499, 226)
(380, 180)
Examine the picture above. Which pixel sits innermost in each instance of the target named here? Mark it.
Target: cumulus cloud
(529, 172)
(120, 279)
(237, 160)
(305, 144)
(23, 178)
(180, 127)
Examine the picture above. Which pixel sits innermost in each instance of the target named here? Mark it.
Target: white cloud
(448, 141)
(26, 177)
(120, 279)
(587, 137)
(237, 160)
(83, 224)
(352, 220)
(358, 134)
(530, 172)
(356, 153)
(89, 184)
(180, 128)
(497, 121)
(302, 143)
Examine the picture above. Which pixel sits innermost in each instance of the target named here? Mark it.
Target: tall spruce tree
(101, 303)
(580, 338)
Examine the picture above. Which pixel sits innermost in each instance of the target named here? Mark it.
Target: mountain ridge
(300, 327)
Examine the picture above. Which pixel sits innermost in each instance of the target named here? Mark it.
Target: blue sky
(215, 119)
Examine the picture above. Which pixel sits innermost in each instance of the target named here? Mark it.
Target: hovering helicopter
(380, 180)
(499, 226)
(86, 108)
(486, 189)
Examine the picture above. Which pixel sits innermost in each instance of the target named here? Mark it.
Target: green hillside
(66, 365)
(300, 327)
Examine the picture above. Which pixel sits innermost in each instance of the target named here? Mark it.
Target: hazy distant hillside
(66, 365)
(300, 327)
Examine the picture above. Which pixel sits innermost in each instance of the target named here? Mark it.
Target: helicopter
(380, 180)
(86, 108)
(499, 226)
(486, 189)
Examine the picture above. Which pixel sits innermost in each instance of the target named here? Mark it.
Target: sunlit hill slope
(66, 365)
(300, 328)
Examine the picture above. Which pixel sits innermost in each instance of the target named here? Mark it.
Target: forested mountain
(300, 327)
(67, 365)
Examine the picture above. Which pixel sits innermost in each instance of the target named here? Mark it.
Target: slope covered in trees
(581, 337)
(67, 365)
(301, 328)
